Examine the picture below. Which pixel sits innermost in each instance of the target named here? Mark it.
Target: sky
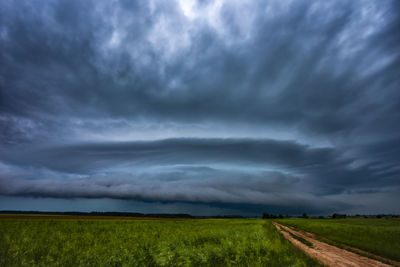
(201, 107)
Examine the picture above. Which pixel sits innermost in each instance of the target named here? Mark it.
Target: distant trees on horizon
(266, 215)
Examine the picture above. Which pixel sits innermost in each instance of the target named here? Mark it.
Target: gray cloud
(303, 89)
(234, 190)
(258, 172)
(285, 154)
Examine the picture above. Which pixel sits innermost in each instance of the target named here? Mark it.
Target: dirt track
(326, 254)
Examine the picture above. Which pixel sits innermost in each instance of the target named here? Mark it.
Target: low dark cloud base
(244, 173)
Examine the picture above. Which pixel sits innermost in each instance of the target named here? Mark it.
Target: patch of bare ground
(328, 254)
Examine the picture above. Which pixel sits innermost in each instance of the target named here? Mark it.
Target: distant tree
(338, 216)
(280, 216)
(304, 215)
(265, 215)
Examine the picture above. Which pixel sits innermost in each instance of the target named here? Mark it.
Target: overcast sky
(203, 107)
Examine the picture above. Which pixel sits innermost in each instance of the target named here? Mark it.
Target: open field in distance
(161, 242)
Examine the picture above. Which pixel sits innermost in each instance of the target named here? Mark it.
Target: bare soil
(327, 254)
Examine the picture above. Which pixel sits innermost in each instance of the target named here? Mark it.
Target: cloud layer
(279, 105)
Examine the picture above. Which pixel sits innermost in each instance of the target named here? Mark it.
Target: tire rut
(327, 254)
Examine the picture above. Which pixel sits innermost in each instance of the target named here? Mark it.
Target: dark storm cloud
(84, 158)
(174, 170)
(324, 75)
(245, 192)
(305, 77)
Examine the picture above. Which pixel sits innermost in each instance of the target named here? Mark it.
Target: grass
(94, 242)
(302, 240)
(378, 236)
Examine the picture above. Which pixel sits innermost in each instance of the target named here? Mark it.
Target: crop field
(378, 236)
(62, 241)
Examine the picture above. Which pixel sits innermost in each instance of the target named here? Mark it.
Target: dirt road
(326, 254)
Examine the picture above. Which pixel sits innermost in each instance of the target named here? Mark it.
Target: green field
(95, 242)
(378, 236)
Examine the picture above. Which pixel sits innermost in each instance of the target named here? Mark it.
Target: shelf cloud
(239, 107)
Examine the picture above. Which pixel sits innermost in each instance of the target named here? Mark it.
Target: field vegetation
(378, 236)
(57, 241)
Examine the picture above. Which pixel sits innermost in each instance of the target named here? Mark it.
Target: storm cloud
(288, 106)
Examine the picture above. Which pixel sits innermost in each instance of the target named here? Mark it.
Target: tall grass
(378, 236)
(25, 242)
